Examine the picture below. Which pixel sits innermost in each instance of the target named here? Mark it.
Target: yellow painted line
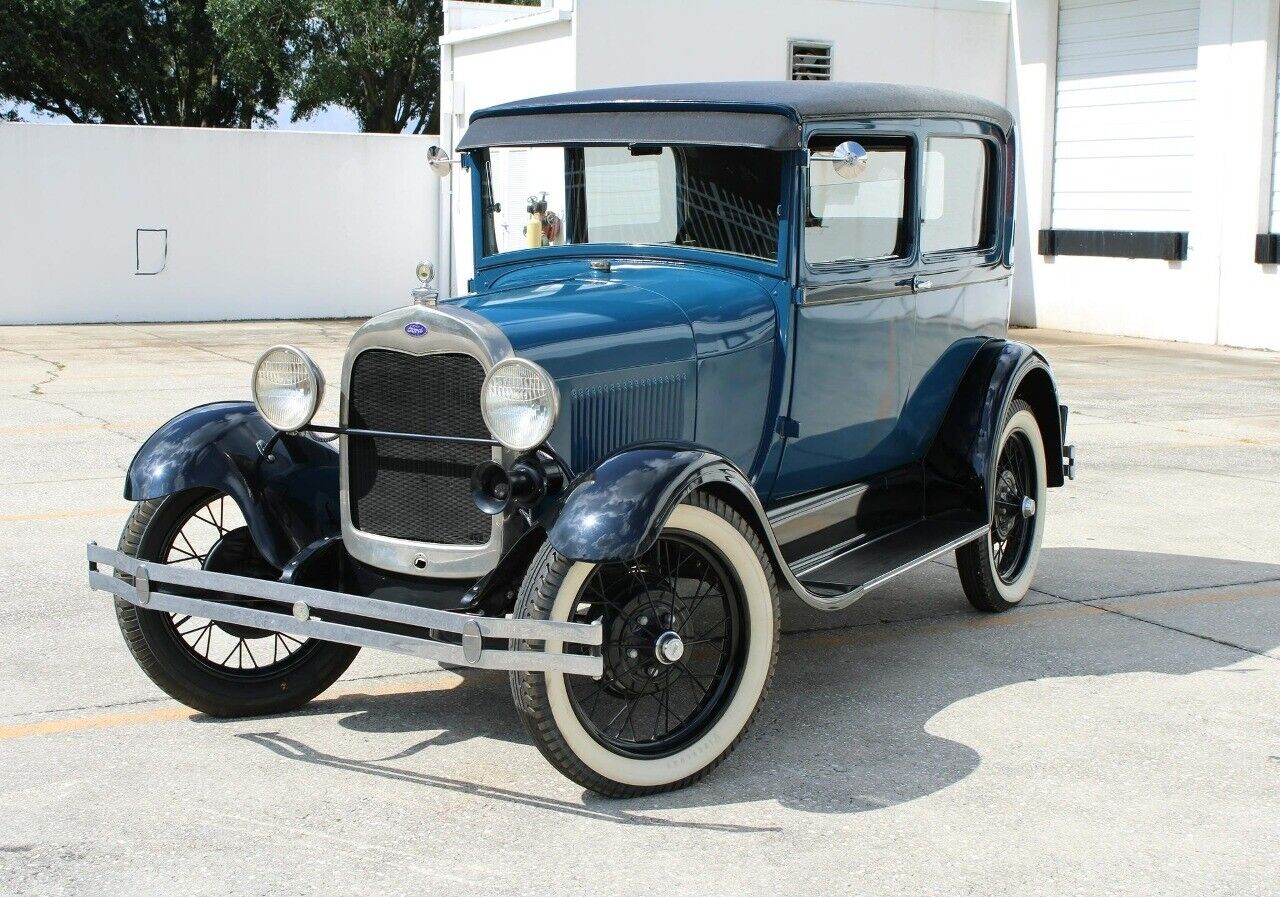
(104, 511)
(173, 713)
(837, 638)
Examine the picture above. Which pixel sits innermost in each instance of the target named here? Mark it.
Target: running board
(831, 583)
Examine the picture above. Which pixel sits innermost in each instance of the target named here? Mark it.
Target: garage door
(1275, 162)
(1125, 119)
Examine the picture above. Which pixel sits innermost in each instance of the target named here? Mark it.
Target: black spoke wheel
(675, 635)
(214, 537)
(996, 571)
(1013, 529)
(690, 635)
(222, 669)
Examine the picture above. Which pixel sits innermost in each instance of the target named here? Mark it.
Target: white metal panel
(1125, 121)
(1275, 161)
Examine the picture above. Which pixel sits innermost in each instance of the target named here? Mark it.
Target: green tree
(378, 58)
(153, 62)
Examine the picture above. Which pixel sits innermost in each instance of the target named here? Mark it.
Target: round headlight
(519, 403)
(287, 387)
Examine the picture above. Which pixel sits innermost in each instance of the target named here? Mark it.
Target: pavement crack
(1097, 605)
(55, 369)
(1148, 594)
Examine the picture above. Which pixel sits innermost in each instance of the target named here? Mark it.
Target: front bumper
(350, 619)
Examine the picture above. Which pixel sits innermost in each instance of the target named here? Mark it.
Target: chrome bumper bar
(307, 608)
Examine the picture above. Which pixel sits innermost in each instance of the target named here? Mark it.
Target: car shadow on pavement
(844, 728)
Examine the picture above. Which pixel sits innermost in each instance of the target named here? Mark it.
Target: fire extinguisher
(533, 230)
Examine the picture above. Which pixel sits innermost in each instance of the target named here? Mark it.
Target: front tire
(996, 570)
(219, 669)
(691, 640)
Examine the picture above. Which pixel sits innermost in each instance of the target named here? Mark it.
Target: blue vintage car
(724, 341)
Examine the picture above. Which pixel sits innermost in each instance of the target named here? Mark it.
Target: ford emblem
(413, 328)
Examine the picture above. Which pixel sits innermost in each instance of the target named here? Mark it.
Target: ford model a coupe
(723, 341)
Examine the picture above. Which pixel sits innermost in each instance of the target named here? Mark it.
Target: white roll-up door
(1275, 161)
(1125, 124)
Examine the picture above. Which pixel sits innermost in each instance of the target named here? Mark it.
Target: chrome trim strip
(448, 329)
(815, 513)
(300, 622)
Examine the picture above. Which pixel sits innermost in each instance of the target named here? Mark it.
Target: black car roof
(748, 113)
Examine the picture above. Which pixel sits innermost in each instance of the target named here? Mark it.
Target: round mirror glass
(850, 160)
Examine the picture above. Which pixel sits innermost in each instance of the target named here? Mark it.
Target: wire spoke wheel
(1012, 527)
(213, 536)
(674, 628)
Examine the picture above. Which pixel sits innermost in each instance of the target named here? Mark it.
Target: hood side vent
(607, 418)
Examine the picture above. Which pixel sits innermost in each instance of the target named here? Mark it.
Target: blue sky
(332, 118)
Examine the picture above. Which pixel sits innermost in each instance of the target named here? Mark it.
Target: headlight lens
(520, 403)
(287, 387)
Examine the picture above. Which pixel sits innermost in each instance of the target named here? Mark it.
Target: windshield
(717, 198)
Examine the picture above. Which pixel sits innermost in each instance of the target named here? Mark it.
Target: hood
(573, 322)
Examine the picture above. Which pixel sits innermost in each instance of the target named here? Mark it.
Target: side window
(859, 217)
(956, 190)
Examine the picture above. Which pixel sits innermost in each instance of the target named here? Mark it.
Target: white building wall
(486, 64)
(960, 44)
(260, 224)
(1219, 294)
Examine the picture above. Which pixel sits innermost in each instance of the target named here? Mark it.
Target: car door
(852, 354)
(962, 283)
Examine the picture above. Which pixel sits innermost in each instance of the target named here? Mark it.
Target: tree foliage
(225, 63)
(136, 62)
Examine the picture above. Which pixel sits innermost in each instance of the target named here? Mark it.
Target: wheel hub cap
(670, 648)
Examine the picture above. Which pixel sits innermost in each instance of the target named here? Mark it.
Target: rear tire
(996, 570)
(157, 641)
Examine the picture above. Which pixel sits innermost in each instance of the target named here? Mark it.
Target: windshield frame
(477, 161)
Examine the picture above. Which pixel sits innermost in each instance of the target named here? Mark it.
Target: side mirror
(848, 160)
(439, 161)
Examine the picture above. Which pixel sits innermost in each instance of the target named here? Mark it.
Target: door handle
(919, 283)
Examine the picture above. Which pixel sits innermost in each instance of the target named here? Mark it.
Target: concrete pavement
(1120, 733)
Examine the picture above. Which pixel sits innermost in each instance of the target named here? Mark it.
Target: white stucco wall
(960, 44)
(261, 224)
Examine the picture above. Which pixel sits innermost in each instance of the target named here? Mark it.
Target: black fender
(960, 461)
(615, 511)
(289, 501)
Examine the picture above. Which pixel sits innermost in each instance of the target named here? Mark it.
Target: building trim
(1124, 244)
(1267, 249)
(508, 26)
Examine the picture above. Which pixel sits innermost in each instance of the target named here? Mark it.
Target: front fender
(615, 511)
(961, 460)
(289, 501)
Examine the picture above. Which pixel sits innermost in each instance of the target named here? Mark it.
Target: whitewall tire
(707, 563)
(996, 570)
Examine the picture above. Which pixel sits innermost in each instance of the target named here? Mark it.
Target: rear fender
(289, 501)
(960, 462)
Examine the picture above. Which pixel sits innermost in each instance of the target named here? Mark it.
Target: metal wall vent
(809, 60)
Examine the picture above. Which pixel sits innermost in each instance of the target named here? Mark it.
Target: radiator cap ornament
(424, 294)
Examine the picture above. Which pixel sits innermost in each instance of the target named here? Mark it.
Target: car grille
(419, 491)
